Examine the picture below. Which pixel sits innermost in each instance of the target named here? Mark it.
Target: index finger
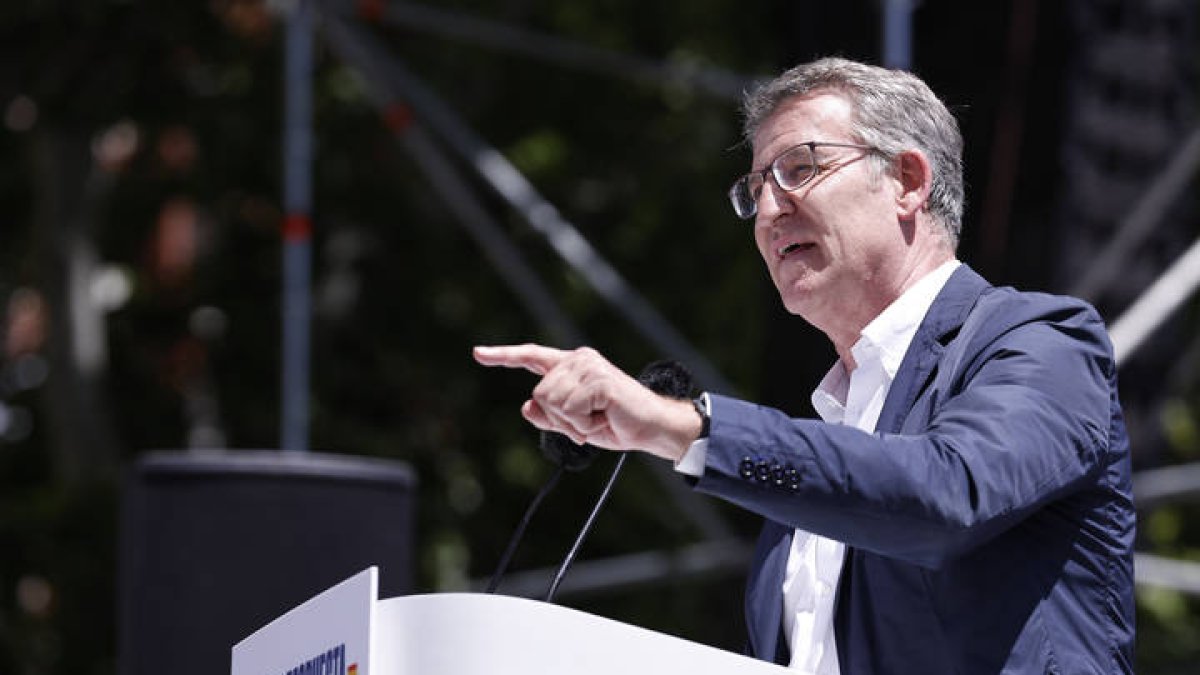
(534, 358)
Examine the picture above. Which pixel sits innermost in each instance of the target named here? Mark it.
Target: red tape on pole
(398, 117)
(297, 227)
(371, 10)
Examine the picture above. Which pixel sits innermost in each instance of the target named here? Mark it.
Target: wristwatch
(704, 408)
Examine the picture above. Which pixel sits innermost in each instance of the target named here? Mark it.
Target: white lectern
(347, 631)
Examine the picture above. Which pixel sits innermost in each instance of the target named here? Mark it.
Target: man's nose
(773, 200)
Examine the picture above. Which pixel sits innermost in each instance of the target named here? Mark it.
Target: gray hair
(893, 111)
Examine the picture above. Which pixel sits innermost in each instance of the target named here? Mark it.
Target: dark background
(140, 190)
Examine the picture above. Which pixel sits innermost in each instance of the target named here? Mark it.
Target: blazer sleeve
(1018, 412)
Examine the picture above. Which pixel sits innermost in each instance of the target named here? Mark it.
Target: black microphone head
(669, 378)
(666, 377)
(566, 453)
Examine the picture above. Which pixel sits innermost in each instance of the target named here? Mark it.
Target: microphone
(567, 456)
(665, 377)
(668, 378)
(565, 453)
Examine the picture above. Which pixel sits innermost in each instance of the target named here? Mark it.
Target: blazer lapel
(944, 318)
(941, 323)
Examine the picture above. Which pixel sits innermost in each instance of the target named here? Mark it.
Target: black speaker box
(216, 544)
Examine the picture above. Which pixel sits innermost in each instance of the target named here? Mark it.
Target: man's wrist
(681, 427)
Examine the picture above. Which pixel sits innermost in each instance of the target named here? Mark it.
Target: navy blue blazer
(989, 521)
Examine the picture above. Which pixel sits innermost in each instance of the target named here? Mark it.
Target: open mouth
(791, 248)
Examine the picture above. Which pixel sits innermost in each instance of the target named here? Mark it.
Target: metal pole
(897, 33)
(1152, 309)
(1108, 266)
(297, 226)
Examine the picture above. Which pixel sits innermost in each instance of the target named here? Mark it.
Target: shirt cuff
(692, 462)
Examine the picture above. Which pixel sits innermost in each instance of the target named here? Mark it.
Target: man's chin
(798, 299)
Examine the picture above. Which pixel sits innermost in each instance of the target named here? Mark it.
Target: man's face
(832, 245)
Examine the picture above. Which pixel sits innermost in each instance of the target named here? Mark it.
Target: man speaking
(964, 503)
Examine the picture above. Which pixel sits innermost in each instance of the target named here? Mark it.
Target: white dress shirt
(853, 398)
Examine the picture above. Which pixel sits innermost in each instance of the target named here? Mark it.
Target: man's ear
(915, 178)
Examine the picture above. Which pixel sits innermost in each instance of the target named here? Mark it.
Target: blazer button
(763, 472)
(777, 475)
(746, 468)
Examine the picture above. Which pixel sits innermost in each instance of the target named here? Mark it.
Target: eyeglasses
(791, 169)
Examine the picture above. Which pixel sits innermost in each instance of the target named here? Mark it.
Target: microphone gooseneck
(668, 378)
(566, 456)
(587, 528)
(505, 559)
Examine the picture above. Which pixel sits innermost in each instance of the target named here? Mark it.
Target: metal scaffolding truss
(394, 90)
(412, 111)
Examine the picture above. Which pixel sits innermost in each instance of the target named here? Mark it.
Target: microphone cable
(587, 528)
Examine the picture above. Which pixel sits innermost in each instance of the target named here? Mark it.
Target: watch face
(701, 405)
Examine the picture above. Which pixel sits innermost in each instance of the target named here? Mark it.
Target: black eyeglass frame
(773, 171)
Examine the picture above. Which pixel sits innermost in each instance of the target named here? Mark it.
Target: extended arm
(1021, 420)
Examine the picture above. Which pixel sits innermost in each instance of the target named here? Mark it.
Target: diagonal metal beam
(707, 560)
(508, 182)
(1153, 488)
(458, 196)
(726, 558)
(1108, 267)
(1177, 575)
(1157, 304)
(359, 51)
(555, 50)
